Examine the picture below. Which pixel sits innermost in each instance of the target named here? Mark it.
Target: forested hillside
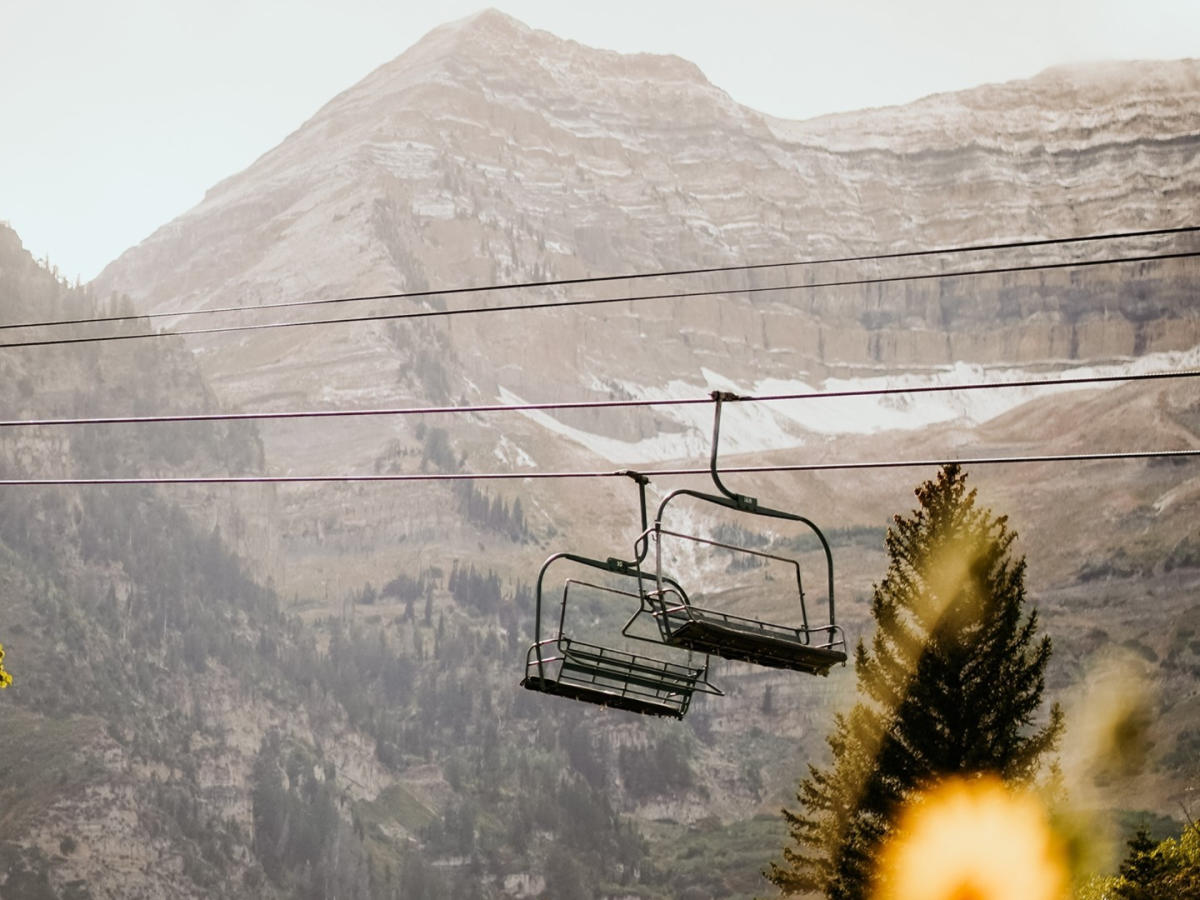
(173, 731)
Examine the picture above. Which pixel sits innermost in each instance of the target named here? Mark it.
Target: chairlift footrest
(615, 678)
(590, 694)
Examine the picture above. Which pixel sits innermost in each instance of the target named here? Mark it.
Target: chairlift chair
(813, 647)
(587, 670)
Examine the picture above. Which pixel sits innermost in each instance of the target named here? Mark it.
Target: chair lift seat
(603, 675)
(749, 640)
(615, 678)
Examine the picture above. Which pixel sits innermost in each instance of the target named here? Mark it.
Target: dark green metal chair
(805, 646)
(583, 669)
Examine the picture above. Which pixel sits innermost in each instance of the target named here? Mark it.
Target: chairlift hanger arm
(750, 504)
(640, 548)
(734, 500)
(740, 500)
(612, 564)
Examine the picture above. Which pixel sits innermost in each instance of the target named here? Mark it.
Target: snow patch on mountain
(788, 423)
(510, 454)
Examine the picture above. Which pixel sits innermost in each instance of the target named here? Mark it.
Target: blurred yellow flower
(5, 678)
(973, 839)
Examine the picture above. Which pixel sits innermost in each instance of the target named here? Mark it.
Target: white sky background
(117, 115)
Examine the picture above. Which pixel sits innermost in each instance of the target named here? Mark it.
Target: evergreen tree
(951, 682)
(1170, 869)
(1141, 869)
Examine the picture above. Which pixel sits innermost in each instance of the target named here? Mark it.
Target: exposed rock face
(490, 153)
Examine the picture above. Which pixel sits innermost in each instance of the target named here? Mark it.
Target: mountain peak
(485, 31)
(491, 38)
(490, 19)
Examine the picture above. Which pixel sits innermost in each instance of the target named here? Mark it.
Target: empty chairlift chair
(588, 665)
(806, 645)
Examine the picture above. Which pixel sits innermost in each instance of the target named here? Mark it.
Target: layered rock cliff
(491, 153)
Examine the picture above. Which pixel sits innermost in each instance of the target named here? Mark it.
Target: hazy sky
(117, 115)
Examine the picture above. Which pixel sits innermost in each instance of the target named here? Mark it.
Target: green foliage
(122, 608)
(1141, 868)
(565, 878)
(951, 682)
(436, 449)
(298, 832)
(493, 513)
(488, 511)
(661, 768)
(473, 589)
(395, 804)
(712, 859)
(38, 765)
(1169, 869)
(1185, 756)
(804, 542)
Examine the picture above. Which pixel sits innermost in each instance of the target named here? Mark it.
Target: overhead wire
(558, 304)
(285, 479)
(650, 473)
(631, 276)
(1077, 380)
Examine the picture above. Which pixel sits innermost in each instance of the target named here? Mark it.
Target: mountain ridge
(946, 116)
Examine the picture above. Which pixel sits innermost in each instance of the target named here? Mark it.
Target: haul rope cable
(622, 473)
(558, 304)
(598, 404)
(597, 279)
